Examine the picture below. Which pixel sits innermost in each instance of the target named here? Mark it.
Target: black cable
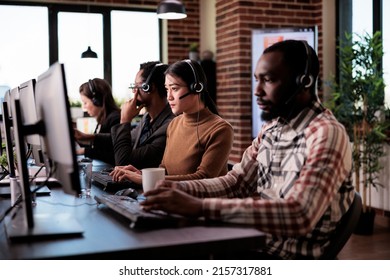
(45, 182)
(5, 173)
(18, 200)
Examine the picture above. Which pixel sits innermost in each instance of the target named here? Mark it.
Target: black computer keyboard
(109, 185)
(139, 218)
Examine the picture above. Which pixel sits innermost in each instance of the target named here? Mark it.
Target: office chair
(344, 229)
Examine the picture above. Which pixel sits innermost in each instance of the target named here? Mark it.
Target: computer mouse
(107, 170)
(130, 192)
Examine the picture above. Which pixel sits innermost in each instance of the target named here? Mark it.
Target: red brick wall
(181, 33)
(234, 19)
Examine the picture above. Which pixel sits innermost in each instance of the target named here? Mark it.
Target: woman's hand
(128, 172)
(81, 136)
(80, 151)
(167, 198)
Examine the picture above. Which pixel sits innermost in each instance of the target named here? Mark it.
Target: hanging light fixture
(89, 53)
(171, 9)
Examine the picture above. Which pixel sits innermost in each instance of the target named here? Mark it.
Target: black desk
(107, 236)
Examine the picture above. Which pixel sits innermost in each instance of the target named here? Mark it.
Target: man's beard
(270, 115)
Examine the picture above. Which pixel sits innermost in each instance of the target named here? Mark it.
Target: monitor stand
(5, 191)
(46, 226)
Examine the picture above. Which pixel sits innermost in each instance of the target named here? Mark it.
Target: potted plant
(76, 109)
(193, 51)
(358, 102)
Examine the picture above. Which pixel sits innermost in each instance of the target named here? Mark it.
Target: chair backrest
(344, 229)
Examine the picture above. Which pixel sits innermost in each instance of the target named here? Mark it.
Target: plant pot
(365, 225)
(76, 112)
(193, 55)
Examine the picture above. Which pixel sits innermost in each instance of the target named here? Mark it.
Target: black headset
(95, 100)
(196, 87)
(146, 85)
(306, 79)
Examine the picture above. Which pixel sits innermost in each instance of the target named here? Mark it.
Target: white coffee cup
(150, 176)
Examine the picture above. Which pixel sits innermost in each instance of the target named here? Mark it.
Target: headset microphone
(298, 90)
(185, 95)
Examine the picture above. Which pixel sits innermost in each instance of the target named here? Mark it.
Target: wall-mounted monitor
(263, 38)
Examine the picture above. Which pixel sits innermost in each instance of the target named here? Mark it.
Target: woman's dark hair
(101, 97)
(158, 76)
(191, 72)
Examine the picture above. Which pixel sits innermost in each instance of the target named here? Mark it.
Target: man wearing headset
(143, 146)
(198, 139)
(293, 182)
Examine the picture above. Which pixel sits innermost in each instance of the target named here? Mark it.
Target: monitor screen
(263, 38)
(52, 106)
(56, 134)
(8, 128)
(3, 90)
(29, 116)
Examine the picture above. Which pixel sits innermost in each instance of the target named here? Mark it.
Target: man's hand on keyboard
(172, 200)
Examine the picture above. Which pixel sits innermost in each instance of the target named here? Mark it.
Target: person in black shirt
(144, 145)
(97, 99)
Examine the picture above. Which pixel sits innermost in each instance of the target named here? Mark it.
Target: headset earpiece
(95, 100)
(196, 87)
(306, 80)
(146, 85)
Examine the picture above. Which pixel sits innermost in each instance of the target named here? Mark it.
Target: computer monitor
(3, 91)
(8, 129)
(29, 117)
(52, 105)
(57, 141)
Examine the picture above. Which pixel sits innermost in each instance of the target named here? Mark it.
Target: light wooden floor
(371, 247)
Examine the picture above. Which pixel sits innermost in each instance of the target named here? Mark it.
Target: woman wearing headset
(198, 139)
(97, 99)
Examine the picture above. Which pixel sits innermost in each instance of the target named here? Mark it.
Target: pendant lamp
(171, 9)
(89, 53)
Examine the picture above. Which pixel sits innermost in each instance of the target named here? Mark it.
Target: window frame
(344, 23)
(105, 10)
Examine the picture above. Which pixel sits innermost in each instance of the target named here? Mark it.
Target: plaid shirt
(292, 183)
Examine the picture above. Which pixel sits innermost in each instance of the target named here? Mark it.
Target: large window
(121, 38)
(77, 31)
(386, 48)
(363, 17)
(24, 44)
(134, 40)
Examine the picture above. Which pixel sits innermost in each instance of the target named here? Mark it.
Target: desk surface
(108, 236)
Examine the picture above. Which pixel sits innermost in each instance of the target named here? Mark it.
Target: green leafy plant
(119, 101)
(358, 102)
(3, 160)
(75, 103)
(193, 47)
